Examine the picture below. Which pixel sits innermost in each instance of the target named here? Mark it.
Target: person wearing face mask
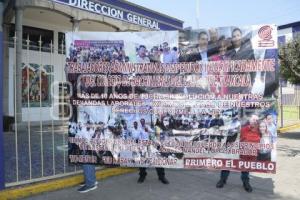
(249, 133)
(185, 124)
(195, 123)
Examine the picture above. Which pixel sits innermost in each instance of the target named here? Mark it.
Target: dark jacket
(272, 78)
(244, 53)
(194, 57)
(216, 122)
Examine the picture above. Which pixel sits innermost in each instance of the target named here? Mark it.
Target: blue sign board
(127, 12)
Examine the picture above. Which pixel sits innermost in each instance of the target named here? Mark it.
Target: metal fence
(289, 106)
(36, 147)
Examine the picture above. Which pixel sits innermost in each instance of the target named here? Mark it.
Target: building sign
(116, 13)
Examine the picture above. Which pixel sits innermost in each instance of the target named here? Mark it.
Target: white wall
(42, 58)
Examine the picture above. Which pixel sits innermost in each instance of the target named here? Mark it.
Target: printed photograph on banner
(122, 46)
(255, 45)
(84, 51)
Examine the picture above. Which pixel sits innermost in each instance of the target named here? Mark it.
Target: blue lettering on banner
(112, 12)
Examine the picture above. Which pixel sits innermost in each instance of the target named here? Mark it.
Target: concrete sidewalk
(192, 184)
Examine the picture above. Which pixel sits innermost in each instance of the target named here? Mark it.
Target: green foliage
(289, 55)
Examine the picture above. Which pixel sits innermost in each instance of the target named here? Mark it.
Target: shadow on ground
(184, 185)
(290, 135)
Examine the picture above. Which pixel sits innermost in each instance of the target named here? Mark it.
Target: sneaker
(83, 183)
(221, 183)
(247, 186)
(141, 179)
(85, 188)
(164, 180)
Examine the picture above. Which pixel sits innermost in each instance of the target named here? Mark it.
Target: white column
(19, 44)
(75, 24)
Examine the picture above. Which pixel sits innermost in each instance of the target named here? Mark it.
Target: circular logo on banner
(265, 32)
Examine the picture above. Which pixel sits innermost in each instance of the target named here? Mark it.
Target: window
(296, 32)
(61, 42)
(64, 109)
(34, 35)
(281, 40)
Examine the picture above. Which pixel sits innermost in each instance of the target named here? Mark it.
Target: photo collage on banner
(190, 99)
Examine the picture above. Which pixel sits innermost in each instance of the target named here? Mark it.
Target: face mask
(166, 122)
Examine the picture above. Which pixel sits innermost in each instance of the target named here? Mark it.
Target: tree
(289, 55)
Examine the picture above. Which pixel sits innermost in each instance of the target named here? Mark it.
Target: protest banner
(200, 99)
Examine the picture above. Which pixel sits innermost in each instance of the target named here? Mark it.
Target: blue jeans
(89, 173)
(225, 174)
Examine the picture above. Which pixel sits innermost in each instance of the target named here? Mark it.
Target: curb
(57, 184)
(288, 128)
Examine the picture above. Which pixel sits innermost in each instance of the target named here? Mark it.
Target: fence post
(281, 104)
(2, 180)
(299, 112)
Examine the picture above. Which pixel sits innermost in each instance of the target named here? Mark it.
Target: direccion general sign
(111, 12)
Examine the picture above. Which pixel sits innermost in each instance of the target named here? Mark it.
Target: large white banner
(197, 99)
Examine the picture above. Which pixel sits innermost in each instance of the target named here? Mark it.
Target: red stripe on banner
(230, 164)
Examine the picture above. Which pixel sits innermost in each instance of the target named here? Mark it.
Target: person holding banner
(89, 171)
(249, 133)
(145, 129)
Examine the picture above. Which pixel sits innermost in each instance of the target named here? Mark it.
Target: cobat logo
(265, 34)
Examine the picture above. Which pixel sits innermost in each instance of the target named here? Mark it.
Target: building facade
(46, 22)
(288, 32)
(290, 92)
(33, 43)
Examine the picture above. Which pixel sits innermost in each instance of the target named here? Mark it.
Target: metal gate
(36, 146)
(289, 105)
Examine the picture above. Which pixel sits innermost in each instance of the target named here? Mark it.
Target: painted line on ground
(57, 184)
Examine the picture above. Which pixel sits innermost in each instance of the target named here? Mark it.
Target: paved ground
(51, 141)
(190, 185)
